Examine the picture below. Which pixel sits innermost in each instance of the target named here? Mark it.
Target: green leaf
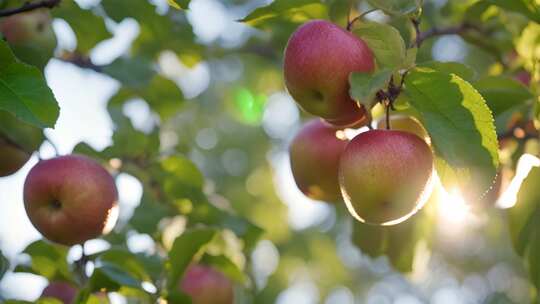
(498, 298)
(279, 8)
(226, 266)
(135, 72)
(397, 7)
(148, 214)
(4, 265)
(48, 260)
(26, 136)
(524, 223)
(502, 93)
(125, 260)
(364, 86)
(24, 91)
(457, 68)
(184, 248)
(385, 42)
(179, 4)
(525, 7)
(397, 242)
(110, 277)
(461, 129)
(79, 19)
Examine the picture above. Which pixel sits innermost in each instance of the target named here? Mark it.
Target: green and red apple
(319, 58)
(385, 176)
(314, 155)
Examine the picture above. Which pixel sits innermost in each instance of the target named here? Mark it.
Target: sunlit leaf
(385, 42)
(461, 128)
(364, 86)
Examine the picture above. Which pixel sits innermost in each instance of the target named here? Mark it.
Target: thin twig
(350, 23)
(29, 6)
(452, 30)
(80, 61)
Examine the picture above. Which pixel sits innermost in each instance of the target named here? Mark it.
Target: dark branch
(80, 61)
(452, 30)
(29, 6)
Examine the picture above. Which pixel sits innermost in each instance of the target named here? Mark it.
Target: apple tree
(419, 151)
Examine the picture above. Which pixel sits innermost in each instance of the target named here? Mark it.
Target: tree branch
(80, 61)
(434, 32)
(29, 6)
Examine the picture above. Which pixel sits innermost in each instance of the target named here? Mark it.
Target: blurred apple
(62, 291)
(207, 286)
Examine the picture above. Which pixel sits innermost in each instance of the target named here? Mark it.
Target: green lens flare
(249, 106)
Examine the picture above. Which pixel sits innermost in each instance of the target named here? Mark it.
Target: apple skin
(314, 154)
(12, 158)
(207, 286)
(404, 123)
(30, 35)
(385, 176)
(62, 291)
(70, 199)
(319, 58)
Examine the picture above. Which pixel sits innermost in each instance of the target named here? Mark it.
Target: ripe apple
(30, 35)
(12, 158)
(385, 176)
(318, 60)
(70, 199)
(314, 156)
(404, 123)
(62, 291)
(207, 286)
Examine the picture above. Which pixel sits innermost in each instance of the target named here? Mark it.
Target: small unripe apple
(385, 176)
(207, 286)
(62, 291)
(12, 158)
(70, 199)
(314, 156)
(404, 123)
(319, 58)
(30, 35)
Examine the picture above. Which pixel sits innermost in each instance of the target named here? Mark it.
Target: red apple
(385, 176)
(319, 58)
(315, 154)
(70, 199)
(62, 291)
(207, 286)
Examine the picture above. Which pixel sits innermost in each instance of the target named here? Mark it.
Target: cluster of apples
(384, 176)
(202, 283)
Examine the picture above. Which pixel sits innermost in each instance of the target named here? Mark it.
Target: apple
(62, 291)
(319, 58)
(12, 158)
(314, 156)
(70, 199)
(30, 35)
(524, 77)
(207, 286)
(385, 176)
(404, 123)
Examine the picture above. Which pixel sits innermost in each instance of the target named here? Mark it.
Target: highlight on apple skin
(70, 199)
(206, 285)
(319, 58)
(386, 176)
(314, 155)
